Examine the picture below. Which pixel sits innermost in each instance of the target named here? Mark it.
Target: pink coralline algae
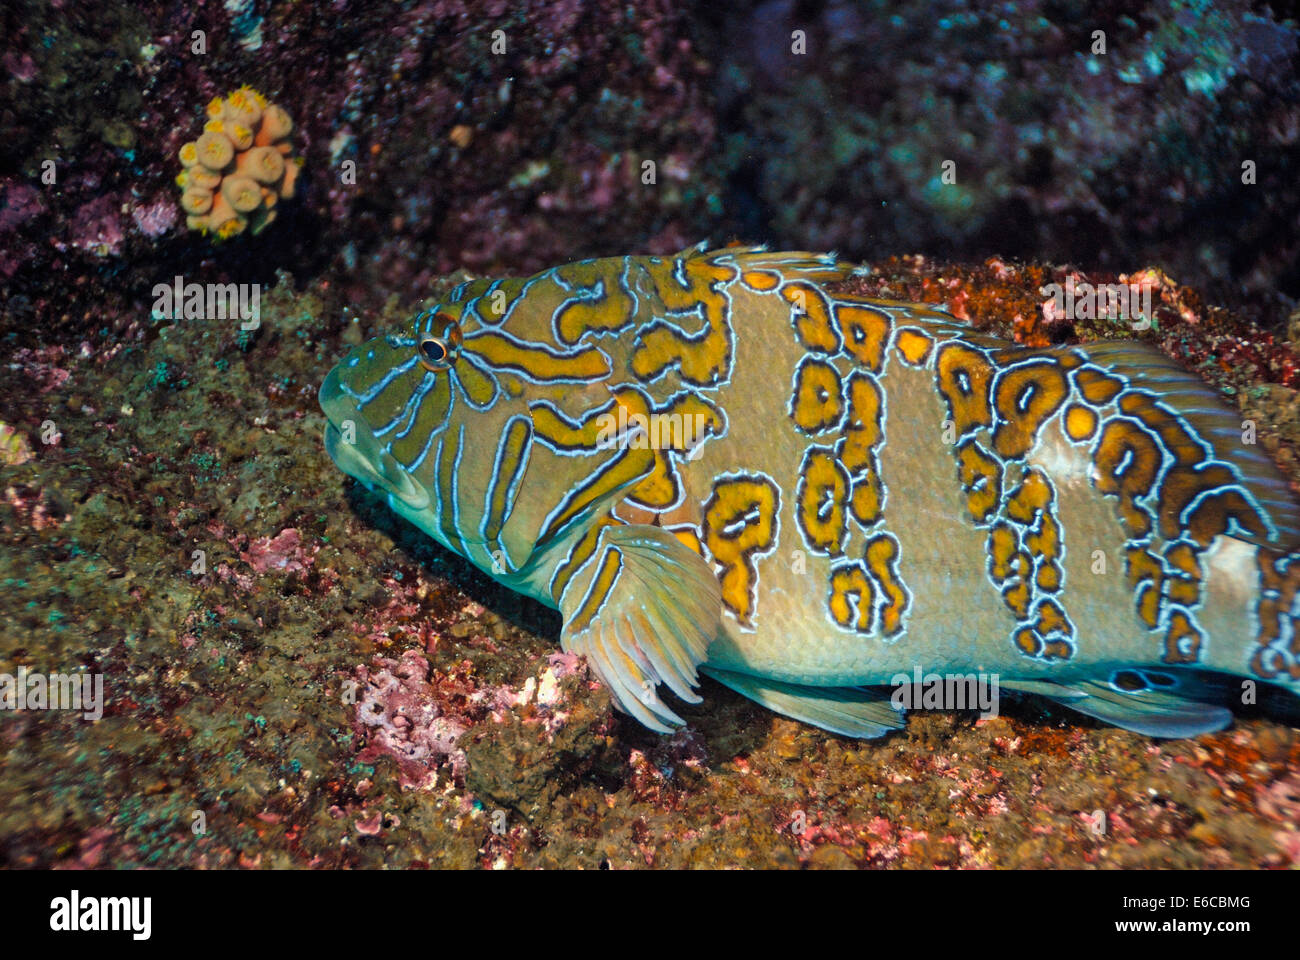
(155, 219)
(399, 715)
(544, 691)
(19, 66)
(420, 716)
(1288, 842)
(33, 509)
(97, 227)
(19, 202)
(90, 850)
(285, 552)
(41, 366)
(1281, 799)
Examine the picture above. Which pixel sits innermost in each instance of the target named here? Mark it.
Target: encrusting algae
(240, 167)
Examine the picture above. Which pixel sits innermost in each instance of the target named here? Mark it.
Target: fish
(714, 463)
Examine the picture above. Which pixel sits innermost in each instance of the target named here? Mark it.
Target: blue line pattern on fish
(711, 462)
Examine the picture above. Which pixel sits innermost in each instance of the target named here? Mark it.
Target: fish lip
(359, 459)
(347, 459)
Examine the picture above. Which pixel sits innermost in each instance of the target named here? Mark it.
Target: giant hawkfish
(712, 462)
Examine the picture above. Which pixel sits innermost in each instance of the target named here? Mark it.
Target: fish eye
(434, 353)
(438, 353)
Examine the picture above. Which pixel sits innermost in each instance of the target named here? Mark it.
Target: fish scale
(714, 462)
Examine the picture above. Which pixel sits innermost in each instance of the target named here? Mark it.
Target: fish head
(384, 389)
(437, 416)
(389, 402)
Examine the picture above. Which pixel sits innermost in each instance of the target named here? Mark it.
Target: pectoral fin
(643, 611)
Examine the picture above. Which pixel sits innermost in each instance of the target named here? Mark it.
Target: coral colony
(240, 167)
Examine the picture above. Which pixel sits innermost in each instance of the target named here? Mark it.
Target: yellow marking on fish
(981, 478)
(480, 390)
(1182, 639)
(816, 405)
(762, 281)
(1096, 387)
(577, 558)
(1279, 588)
(964, 375)
(511, 459)
(689, 536)
(610, 310)
(863, 429)
(537, 362)
(851, 597)
(611, 565)
(865, 333)
(1146, 576)
(1080, 422)
(1048, 637)
(914, 346)
(704, 358)
(812, 317)
(882, 562)
(1127, 459)
(1026, 396)
(739, 526)
(822, 496)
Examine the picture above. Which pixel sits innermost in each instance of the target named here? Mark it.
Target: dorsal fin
(786, 265)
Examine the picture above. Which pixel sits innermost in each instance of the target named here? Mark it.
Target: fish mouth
(353, 447)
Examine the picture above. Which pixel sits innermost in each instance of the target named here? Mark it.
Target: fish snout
(352, 445)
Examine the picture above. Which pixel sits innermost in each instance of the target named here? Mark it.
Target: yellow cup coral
(263, 164)
(241, 193)
(215, 151)
(240, 167)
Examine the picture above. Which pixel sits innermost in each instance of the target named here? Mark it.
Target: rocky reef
(312, 682)
(296, 678)
(436, 135)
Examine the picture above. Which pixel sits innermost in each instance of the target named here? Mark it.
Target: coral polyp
(240, 167)
(241, 193)
(214, 150)
(263, 164)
